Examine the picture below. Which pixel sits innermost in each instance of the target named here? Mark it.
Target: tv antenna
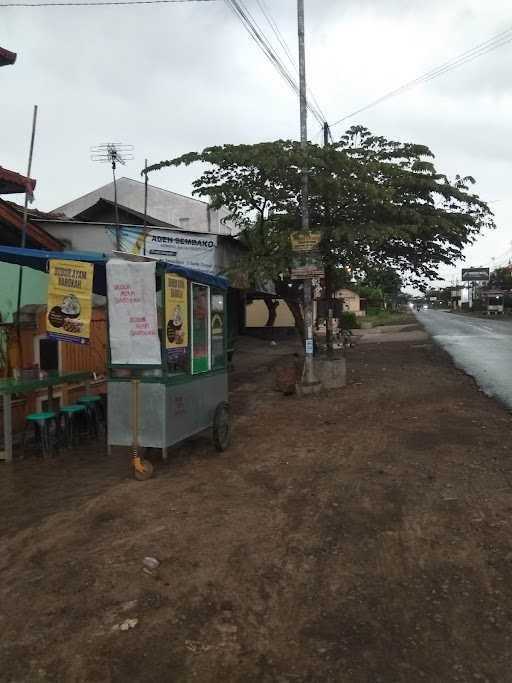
(113, 153)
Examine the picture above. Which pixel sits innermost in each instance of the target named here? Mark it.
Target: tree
(380, 205)
(501, 278)
(387, 280)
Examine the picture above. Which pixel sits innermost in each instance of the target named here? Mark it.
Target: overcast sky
(174, 78)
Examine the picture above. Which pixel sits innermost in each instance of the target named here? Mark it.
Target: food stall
(167, 344)
(168, 364)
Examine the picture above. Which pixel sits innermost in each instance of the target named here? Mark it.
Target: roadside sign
(309, 346)
(475, 274)
(305, 241)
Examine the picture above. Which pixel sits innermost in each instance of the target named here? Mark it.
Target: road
(480, 347)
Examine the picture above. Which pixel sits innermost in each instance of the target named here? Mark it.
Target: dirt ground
(360, 536)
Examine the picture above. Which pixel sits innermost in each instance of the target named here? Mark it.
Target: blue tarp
(198, 276)
(38, 259)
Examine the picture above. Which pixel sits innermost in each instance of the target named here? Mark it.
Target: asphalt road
(480, 347)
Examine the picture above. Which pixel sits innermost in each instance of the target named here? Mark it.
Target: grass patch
(388, 318)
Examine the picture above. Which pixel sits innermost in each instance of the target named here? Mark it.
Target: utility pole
(326, 133)
(327, 276)
(309, 373)
(24, 232)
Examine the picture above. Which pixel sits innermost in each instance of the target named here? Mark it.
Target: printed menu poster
(69, 301)
(133, 321)
(176, 317)
(200, 333)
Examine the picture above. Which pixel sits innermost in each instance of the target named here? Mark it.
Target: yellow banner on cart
(69, 301)
(176, 317)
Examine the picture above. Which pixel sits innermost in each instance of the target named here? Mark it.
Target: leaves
(380, 204)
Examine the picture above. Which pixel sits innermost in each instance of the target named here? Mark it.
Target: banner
(191, 249)
(176, 318)
(133, 321)
(69, 301)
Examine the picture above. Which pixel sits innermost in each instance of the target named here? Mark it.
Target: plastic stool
(69, 413)
(42, 422)
(91, 404)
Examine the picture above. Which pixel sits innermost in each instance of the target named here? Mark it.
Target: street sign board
(475, 274)
(305, 241)
(307, 265)
(307, 259)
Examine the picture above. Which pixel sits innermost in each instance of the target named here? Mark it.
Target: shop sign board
(69, 301)
(193, 250)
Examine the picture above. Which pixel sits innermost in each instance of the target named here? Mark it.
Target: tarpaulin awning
(38, 259)
(198, 276)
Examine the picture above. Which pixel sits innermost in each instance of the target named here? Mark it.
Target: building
(164, 208)
(34, 284)
(351, 301)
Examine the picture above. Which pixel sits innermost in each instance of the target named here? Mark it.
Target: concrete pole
(309, 375)
(24, 233)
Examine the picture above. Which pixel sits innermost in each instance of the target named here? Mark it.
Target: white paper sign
(133, 321)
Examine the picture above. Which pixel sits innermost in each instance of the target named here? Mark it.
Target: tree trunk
(272, 305)
(296, 311)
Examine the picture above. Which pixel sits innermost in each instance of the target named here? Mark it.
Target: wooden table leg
(7, 428)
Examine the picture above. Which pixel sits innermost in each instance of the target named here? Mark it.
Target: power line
(256, 33)
(282, 41)
(101, 3)
(260, 39)
(479, 50)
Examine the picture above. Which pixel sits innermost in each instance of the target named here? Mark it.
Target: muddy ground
(360, 536)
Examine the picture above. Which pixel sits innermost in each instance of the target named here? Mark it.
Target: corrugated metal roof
(6, 57)
(15, 183)
(35, 233)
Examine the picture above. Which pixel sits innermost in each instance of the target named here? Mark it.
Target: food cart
(168, 356)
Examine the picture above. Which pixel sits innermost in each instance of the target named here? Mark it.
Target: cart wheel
(221, 428)
(144, 471)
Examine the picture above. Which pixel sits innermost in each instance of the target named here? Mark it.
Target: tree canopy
(380, 205)
(501, 278)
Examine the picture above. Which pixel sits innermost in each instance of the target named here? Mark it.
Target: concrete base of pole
(308, 388)
(331, 372)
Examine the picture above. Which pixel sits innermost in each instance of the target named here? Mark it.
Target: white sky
(175, 78)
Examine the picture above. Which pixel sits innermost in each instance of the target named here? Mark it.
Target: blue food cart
(176, 385)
